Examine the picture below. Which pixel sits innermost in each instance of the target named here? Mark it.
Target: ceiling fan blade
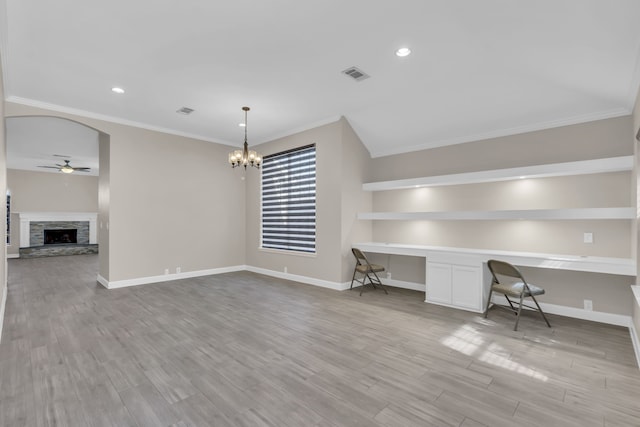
(81, 169)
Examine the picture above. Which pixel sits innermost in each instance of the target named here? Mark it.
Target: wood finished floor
(242, 349)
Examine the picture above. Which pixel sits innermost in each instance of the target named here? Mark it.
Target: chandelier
(245, 156)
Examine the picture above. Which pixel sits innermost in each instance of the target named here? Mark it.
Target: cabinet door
(438, 282)
(466, 287)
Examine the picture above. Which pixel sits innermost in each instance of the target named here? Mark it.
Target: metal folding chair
(367, 270)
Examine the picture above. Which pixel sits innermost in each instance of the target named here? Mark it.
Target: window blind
(289, 200)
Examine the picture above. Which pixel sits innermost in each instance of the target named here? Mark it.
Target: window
(8, 217)
(289, 200)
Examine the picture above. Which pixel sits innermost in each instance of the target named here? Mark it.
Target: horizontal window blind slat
(289, 200)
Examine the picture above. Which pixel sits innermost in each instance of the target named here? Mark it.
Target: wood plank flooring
(242, 349)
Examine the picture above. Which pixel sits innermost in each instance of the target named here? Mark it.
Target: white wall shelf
(584, 167)
(530, 214)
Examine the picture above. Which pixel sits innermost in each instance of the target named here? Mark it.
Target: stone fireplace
(40, 228)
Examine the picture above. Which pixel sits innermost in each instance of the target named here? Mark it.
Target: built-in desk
(458, 277)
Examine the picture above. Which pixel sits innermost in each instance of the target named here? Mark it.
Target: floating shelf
(531, 214)
(585, 167)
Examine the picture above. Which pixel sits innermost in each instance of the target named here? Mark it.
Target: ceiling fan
(66, 168)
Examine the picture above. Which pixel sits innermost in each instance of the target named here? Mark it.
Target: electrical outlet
(588, 237)
(178, 269)
(588, 305)
(388, 275)
(166, 271)
(285, 270)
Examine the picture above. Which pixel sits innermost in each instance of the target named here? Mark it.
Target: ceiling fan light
(66, 169)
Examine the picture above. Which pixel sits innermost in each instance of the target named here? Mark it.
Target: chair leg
(364, 282)
(372, 282)
(353, 278)
(540, 310)
(379, 283)
(515, 328)
(486, 309)
(510, 303)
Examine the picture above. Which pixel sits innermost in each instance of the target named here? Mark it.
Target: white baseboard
(302, 279)
(577, 313)
(3, 304)
(635, 338)
(13, 256)
(594, 316)
(332, 285)
(636, 343)
(166, 277)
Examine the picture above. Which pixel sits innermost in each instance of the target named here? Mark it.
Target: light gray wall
(355, 171)
(326, 263)
(172, 201)
(586, 141)
(636, 187)
(612, 238)
(52, 192)
(3, 190)
(341, 168)
(104, 144)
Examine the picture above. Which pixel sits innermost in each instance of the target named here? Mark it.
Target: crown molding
(111, 119)
(618, 112)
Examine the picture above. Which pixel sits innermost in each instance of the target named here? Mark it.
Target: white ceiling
(47, 141)
(478, 68)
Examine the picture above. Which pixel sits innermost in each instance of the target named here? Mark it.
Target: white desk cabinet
(454, 285)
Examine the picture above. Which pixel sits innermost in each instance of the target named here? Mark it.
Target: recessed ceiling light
(241, 125)
(403, 51)
(117, 90)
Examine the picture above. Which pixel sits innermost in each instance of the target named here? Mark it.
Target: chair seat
(515, 289)
(368, 269)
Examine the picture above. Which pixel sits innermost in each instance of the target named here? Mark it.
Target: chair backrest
(501, 268)
(360, 258)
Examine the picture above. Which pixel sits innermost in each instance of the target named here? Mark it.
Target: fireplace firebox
(60, 237)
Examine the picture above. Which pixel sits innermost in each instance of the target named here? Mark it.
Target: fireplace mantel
(27, 217)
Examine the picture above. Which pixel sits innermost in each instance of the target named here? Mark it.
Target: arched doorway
(46, 193)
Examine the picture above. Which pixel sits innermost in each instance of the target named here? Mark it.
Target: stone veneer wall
(36, 230)
(58, 250)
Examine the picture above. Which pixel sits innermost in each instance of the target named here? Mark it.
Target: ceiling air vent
(185, 110)
(356, 74)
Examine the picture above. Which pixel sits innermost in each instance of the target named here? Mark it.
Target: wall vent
(185, 110)
(356, 74)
